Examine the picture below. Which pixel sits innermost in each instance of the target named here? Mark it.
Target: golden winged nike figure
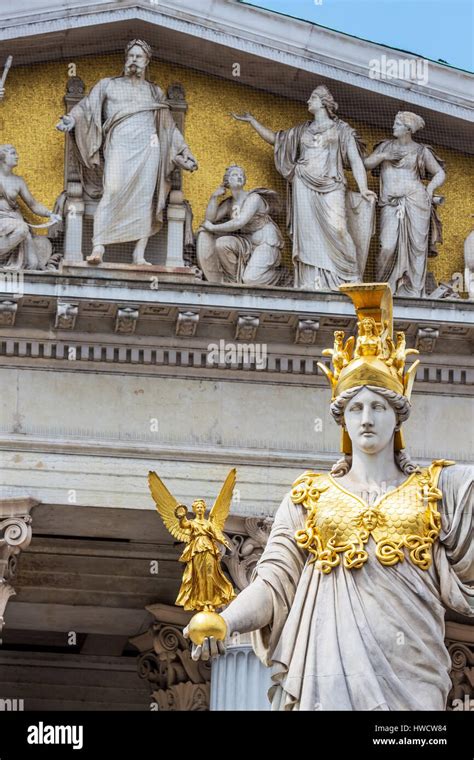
(204, 586)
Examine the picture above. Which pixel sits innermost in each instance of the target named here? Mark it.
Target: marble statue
(127, 118)
(239, 242)
(409, 225)
(330, 228)
(6, 69)
(347, 601)
(19, 249)
(469, 264)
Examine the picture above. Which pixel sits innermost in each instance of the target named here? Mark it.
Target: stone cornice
(81, 324)
(139, 289)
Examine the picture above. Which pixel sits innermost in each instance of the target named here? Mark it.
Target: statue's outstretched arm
(265, 133)
(251, 610)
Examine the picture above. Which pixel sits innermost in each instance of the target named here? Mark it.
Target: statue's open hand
(2, 93)
(208, 226)
(242, 116)
(65, 123)
(209, 648)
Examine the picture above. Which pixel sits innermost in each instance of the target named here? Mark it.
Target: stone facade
(109, 373)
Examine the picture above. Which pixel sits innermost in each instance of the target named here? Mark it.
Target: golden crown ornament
(373, 357)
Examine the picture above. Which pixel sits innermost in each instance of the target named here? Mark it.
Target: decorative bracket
(66, 315)
(186, 324)
(8, 310)
(126, 320)
(306, 331)
(426, 338)
(246, 327)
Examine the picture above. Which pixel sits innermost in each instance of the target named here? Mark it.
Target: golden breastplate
(338, 523)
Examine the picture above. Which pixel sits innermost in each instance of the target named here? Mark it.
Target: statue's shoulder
(297, 130)
(450, 472)
(426, 150)
(382, 145)
(308, 487)
(437, 465)
(343, 126)
(157, 91)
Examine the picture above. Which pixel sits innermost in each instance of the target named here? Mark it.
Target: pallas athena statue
(347, 601)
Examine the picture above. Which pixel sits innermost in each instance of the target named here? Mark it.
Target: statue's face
(10, 157)
(370, 421)
(235, 178)
(314, 102)
(136, 61)
(399, 128)
(368, 326)
(199, 508)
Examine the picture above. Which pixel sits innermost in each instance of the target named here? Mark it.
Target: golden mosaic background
(34, 103)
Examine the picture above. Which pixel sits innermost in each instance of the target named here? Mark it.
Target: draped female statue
(239, 241)
(409, 225)
(18, 248)
(347, 601)
(330, 227)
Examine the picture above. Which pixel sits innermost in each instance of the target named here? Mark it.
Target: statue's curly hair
(412, 121)
(327, 100)
(402, 409)
(141, 43)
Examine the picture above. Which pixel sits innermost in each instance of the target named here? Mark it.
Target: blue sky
(431, 28)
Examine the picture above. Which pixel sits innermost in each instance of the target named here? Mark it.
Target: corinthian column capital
(15, 535)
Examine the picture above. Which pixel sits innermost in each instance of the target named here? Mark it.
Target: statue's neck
(379, 467)
(405, 139)
(321, 118)
(239, 194)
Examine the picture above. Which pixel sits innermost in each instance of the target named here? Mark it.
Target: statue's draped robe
(19, 249)
(324, 252)
(14, 233)
(251, 254)
(369, 638)
(133, 126)
(409, 225)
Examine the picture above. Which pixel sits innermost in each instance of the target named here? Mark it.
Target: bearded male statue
(127, 120)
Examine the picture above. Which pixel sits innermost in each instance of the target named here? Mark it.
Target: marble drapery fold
(324, 251)
(410, 228)
(139, 141)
